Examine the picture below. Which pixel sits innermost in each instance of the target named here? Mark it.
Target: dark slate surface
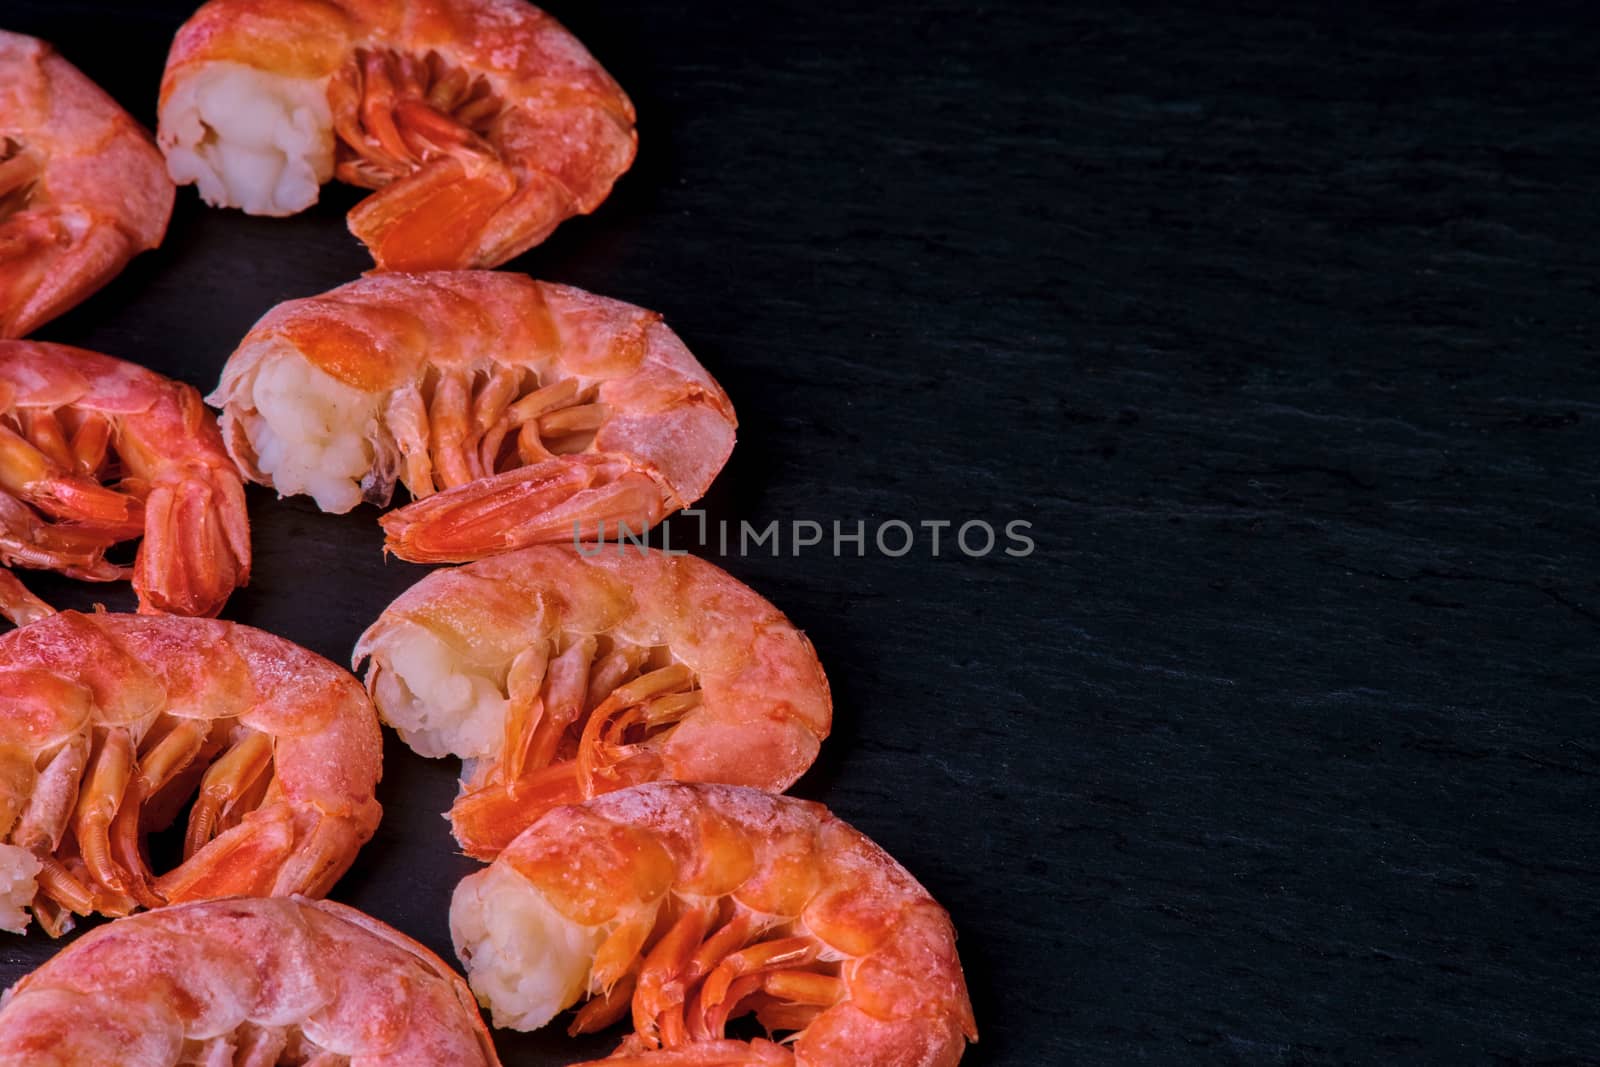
(1282, 746)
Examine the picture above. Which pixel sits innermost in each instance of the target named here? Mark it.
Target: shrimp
(561, 676)
(482, 124)
(686, 906)
(516, 412)
(82, 187)
(244, 981)
(110, 723)
(71, 420)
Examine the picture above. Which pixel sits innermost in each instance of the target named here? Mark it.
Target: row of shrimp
(625, 721)
(480, 124)
(680, 907)
(514, 412)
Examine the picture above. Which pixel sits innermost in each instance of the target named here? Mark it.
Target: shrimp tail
(579, 497)
(324, 854)
(197, 542)
(47, 267)
(243, 861)
(433, 217)
(28, 245)
(273, 852)
(489, 819)
(18, 604)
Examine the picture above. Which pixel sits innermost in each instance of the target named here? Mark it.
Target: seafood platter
(179, 794)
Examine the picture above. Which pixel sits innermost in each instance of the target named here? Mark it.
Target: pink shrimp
(82, 187)
(248, 982)
(685, 906)
(562, 675)
(71, 420)
(482, 124)
(516, 412)
(110, 723)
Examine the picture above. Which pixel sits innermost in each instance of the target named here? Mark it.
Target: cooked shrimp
(482, 123)
(82, 187)
(690, 905)
(535, 412)
(110, 723)
(71, 420)
(560, 676)
(248, 982)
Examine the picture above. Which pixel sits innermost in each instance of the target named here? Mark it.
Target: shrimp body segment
(248, 982)
(515, 412)
(684, 906)
(562, 676)
(71, 420)
(82, 187)
(482, 124)
(110, 724)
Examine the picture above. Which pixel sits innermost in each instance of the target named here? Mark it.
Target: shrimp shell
(515, 411)
(110, 723)
(688, 905)
(71, 420)
(483, 124)
(82, 187)
(589, 673)
(244, 981)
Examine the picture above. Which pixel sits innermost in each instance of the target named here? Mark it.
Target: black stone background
(1277, 325)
